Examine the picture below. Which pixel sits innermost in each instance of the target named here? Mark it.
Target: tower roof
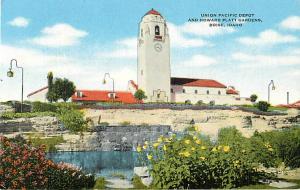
(153, 12)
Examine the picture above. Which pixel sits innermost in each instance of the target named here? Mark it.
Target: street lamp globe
(10, 73)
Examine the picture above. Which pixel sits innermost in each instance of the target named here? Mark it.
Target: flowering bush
(195, 162)
(26, 167)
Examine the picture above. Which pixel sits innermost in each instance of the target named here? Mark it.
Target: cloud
(124, 48)
(19, 22)
(59, 35)
(292, 22)
(268, 37)
(203, 29)
(199, 61)
(179, 40)
(85, 73)
(261, 60)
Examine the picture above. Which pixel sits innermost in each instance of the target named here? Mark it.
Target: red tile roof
(293, 105)
(37, 91)
(102, 96)
(197, 82)
(134, 85)
(232, 91)
(153, 12)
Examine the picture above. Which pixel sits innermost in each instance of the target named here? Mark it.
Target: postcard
(157, 94)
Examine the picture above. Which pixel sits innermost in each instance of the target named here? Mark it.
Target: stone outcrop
(209, 121)
(44, 124)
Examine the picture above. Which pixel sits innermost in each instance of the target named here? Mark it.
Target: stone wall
(118, 138)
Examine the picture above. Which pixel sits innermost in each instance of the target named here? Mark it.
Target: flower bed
(25, 167)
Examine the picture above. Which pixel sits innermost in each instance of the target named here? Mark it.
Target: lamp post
(104, 82)
(10, 73)
(273, 88)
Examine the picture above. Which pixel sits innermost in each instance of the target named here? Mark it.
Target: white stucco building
(154, 72)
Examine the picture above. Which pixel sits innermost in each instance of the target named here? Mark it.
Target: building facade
(154, 72)
(153, 59)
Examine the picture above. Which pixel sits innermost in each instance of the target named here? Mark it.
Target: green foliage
(200, 103)
(43, 107)
(59, 88)
(25, 167)
(253, 98)
(12, 115)
(50, 143)
(140, 94)
(263, 105)
(100, 183)
(195, 162)
(188, 102)
(125, 123)
(63, 88)
(137, 183)
(212, 103)
(72, 119)
(285, 144)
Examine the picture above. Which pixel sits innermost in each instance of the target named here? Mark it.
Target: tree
(253, 98)
(63, 88)
(263, 105)
(51, 96)
(140, 94)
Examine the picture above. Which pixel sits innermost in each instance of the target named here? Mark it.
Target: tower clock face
(157, 47)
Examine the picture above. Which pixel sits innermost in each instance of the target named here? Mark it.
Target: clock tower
(154, 57)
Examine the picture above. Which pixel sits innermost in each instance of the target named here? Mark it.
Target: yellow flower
(214, 149)
(156, 145)
(194, 137)
(160, 139)
(146, 142)
(165, 148)
(145, 147)
(243, 151)
(197, 128)
(203, 147)
(202, 158)
(270, 149)
(219, 147)
(180, 153)
(149, 157)
(193, 149)
(226, 148)
(198, 141)
(167, 140)
(186, 154)
(187, 141)
(237, 161)
(139, 148)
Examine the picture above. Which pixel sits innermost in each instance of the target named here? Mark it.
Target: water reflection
(101, 163)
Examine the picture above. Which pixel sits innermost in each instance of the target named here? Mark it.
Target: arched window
(219, 92)
(207, 92)
(157, 33)
(196, 91)
(141, 32)
(183, 90)
(172, 91)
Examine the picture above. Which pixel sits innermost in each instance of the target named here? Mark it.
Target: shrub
(200, 103)
(188, 102)
(140, 94)
(12, 115)
(125, 123)
(284, 144)
(43, 107)
(72, 120)
(100, 183)
(263, 105)
(253, 98)
(49, 143)
(23, 166)
(194, 162)
(212, 103)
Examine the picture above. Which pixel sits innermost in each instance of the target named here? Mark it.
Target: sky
(83, 39)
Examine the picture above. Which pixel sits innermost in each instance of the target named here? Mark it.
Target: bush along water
(25, 167)
(193, 161)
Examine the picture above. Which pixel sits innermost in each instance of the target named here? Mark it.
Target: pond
(100, 163)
